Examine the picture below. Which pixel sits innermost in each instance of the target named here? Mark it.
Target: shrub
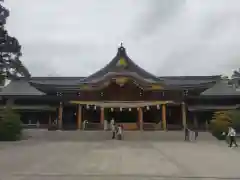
(220, 123)
(10, 126)
(235, 117)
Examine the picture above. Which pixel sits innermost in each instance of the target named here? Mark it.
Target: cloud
(165, 37)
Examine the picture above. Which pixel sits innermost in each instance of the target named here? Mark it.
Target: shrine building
(122, 91)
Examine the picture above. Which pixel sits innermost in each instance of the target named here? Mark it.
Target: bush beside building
(10, 126)
(222, 120)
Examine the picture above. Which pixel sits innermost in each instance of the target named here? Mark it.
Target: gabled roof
(121, 63)
(66, 81)
(178, 81)
(221, 88)
(190, 81)
(20, 88)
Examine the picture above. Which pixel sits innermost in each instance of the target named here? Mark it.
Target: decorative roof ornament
(121, 62)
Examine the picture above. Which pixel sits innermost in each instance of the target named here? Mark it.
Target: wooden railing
(130, 126)
(174, 127)
(149, 126)
(35, 126)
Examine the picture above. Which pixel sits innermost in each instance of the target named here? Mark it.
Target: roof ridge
(126, 64)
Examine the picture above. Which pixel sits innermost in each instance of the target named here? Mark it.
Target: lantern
(120, 109)
(158, 107)
(87, 106)
(147, 107)
(112, 109)
(95, 107)
(130, 109)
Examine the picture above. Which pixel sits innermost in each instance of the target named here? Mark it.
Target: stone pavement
(118, 160)
(97, 136)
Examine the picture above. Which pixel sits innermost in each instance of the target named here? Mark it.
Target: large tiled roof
(222, 88)
(189, 81)
(121, 63)
(21, 88)
(27, 86)
(57, 80)
(171, 80)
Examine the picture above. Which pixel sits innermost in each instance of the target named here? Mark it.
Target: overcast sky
(165, 37)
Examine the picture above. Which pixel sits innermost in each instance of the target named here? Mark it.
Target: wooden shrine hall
(122, 91)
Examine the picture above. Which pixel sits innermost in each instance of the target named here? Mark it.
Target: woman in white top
(232, 136)
(119, 132)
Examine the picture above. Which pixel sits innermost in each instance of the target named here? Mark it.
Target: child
(119, 132)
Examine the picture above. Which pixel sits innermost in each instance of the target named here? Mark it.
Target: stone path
(118, 160)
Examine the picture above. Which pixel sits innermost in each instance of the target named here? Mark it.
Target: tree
(219, 124)
(10, 125)
(10, 52)
(222, 120)
(236, 74)
(235, 118)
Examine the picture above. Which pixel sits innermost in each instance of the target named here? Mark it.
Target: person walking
(112, 122)
(119, 132)
(232, 136)
(114, 128)
(195, 134)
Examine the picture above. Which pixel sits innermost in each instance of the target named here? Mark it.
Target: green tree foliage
(222, 120)
(10, 52)
(10, 125)
(219, 124)
(235, 118)
(236, 74)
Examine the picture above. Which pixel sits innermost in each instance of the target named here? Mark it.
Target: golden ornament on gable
(121, 80)
(122, 62)
(84, 86)
(156, 87)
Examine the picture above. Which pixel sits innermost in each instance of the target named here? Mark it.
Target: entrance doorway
(152, 118)
(174, 117)
(69, 118)
(128, 117)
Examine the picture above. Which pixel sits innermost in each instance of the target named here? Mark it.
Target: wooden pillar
(79, 116)
(140, 118)
(49, 120)
(164, 120)
(195, 120)
(184, 117)
(102, 116)
(60, 112)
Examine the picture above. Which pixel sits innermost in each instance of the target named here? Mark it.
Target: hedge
(222, 120)
(10, 126)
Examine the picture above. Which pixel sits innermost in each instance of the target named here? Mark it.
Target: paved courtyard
(118, 160)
